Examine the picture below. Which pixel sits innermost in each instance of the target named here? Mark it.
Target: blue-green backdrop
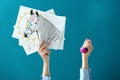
(98, 20)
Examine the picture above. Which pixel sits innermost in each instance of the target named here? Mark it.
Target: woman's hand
(87, 44)
(44, 51)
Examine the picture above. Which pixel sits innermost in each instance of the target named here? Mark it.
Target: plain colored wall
(95, 19)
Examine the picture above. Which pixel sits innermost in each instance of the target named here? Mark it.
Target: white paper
(30, 44)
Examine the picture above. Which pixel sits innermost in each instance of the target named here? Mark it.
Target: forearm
(84, 62)
(85, 71)
(46, 70)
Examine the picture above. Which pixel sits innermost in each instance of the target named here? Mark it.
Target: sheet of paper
(30, 44)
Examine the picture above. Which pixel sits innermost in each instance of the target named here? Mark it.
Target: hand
(87, 44)
(44, 51)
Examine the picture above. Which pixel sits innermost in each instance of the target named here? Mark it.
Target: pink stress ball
(83, 50)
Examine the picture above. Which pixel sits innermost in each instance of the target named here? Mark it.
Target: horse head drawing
(32, 24)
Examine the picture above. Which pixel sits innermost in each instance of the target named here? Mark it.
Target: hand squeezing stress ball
(85, 70)
(44, 52)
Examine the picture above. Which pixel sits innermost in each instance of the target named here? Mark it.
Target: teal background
(98, 20)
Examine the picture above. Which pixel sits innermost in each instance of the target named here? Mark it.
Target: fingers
(44, 46)
(45, 52)
(87, 42)
(41, 43)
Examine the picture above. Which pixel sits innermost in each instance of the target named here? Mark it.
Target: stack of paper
(33, 25)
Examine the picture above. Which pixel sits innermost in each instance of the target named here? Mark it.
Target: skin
(44, 53)
(87, 44)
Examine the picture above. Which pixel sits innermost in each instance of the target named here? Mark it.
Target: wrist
(46, 61)
(84, 57)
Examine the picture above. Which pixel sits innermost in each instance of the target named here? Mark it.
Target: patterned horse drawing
(43, 28)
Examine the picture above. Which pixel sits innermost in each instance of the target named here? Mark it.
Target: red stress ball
(83, 50)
